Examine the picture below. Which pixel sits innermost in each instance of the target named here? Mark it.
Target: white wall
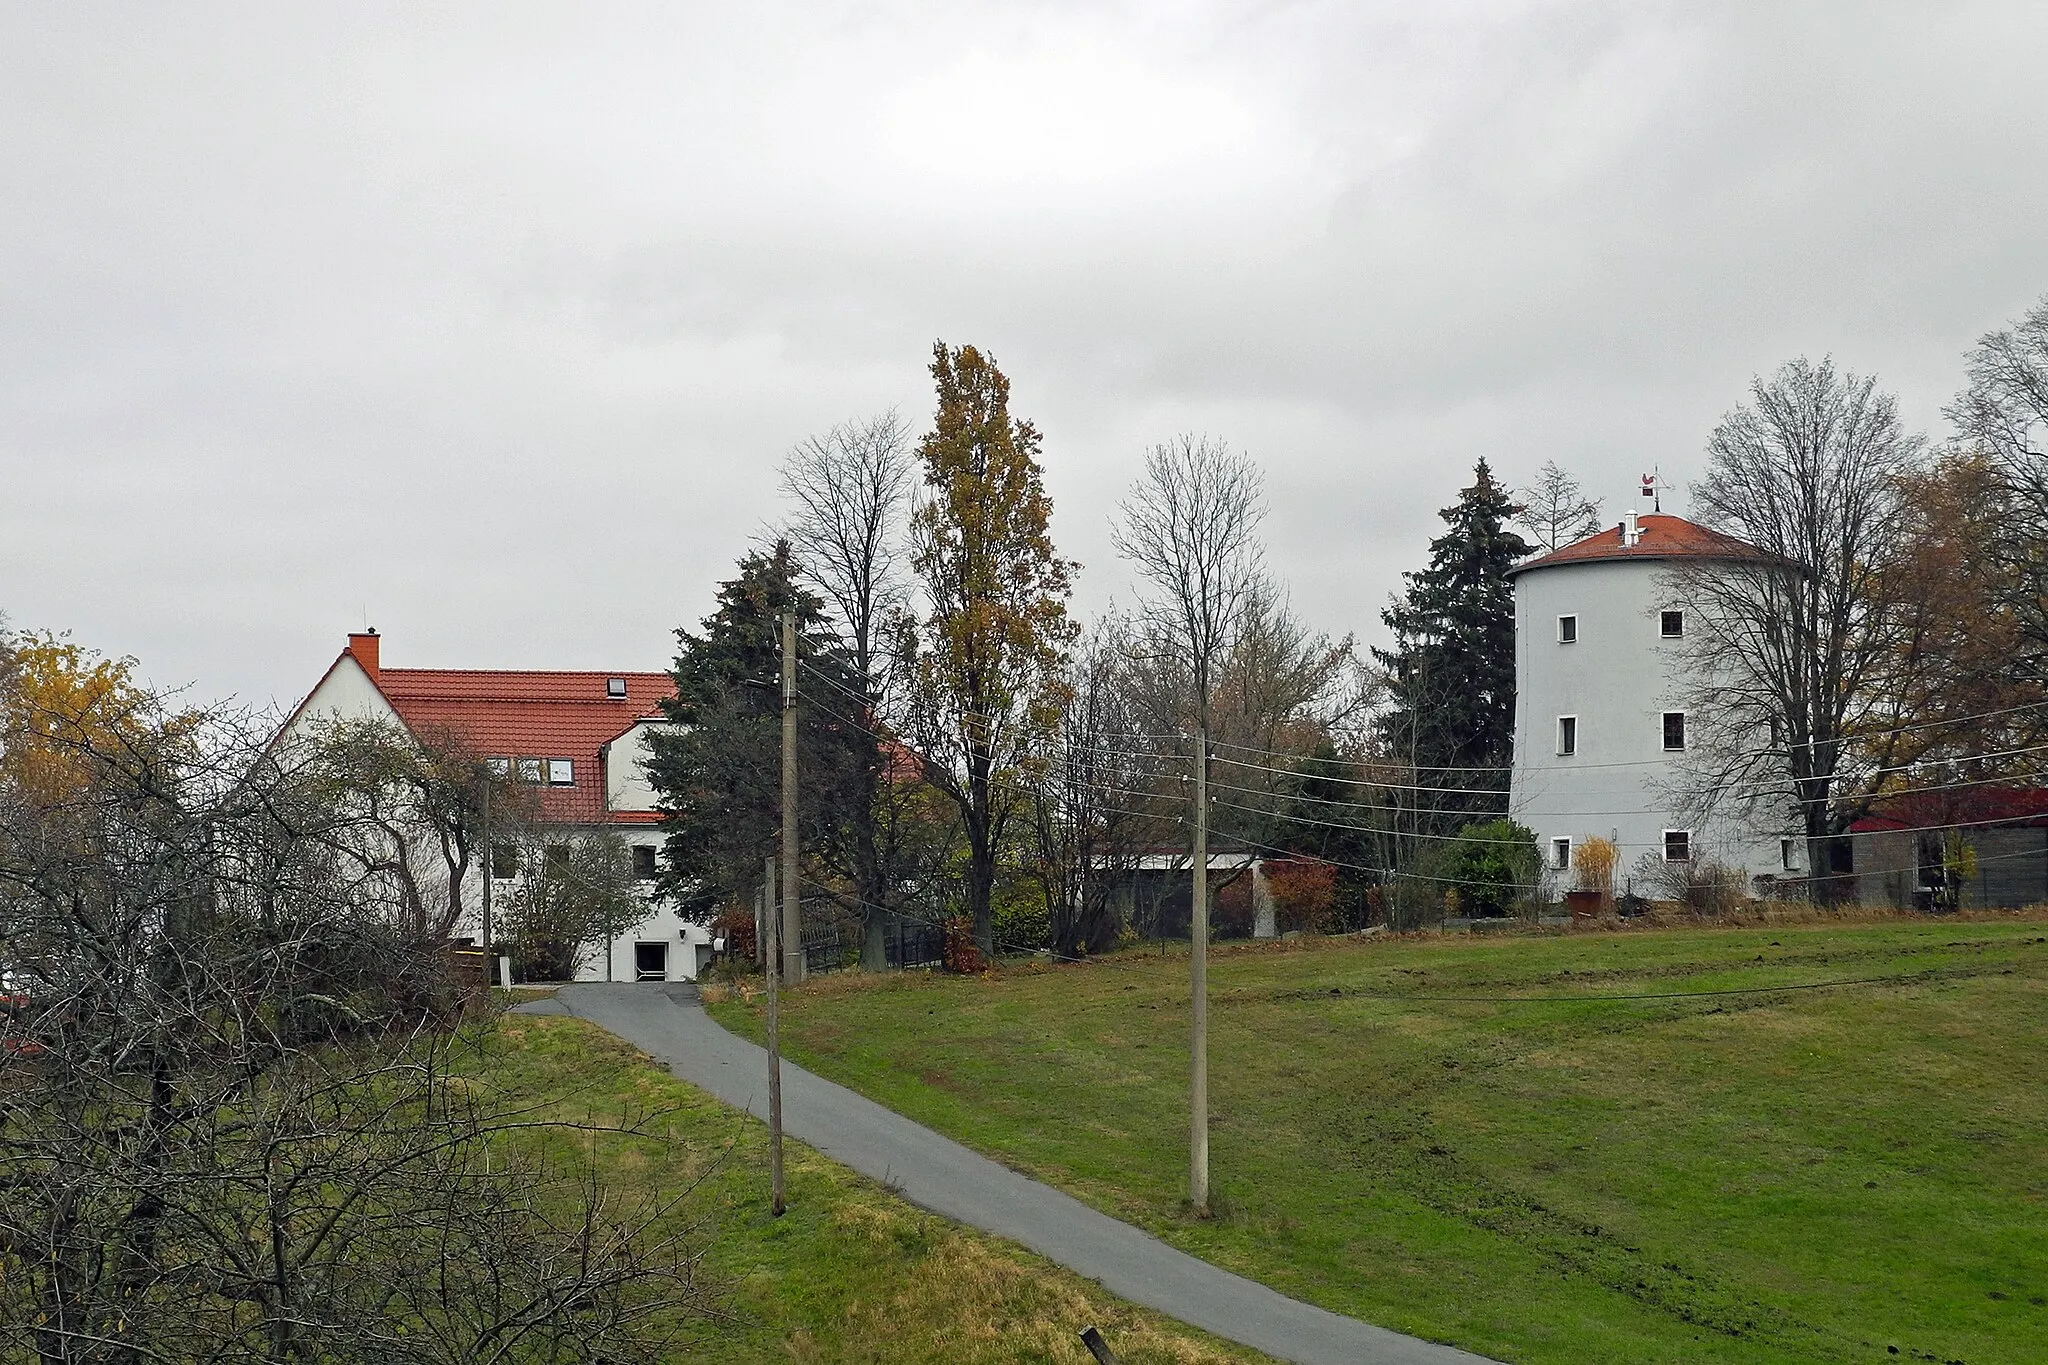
(1618, 679)
(346, 693)
(625, 777)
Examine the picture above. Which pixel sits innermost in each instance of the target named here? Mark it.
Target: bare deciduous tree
(570, 889)
(1791, 644)
(2004, 412)
(849, 492)
(240, 1110)
(1556, 510)
(1100, 805)
(1190, 528)
(410, 815)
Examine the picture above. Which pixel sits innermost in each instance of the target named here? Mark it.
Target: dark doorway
(650, 962)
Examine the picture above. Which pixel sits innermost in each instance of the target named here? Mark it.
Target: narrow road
(939, 1174)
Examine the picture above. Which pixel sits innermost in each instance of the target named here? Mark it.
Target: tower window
(1672, 625)
(1567, 630)
(1674, 730)
(1560, 855)
(1677, 845)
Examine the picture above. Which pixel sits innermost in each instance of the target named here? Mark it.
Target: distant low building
(580, 738)
(1966, 848)
(1603, 737)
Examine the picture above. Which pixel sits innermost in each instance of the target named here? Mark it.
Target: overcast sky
(488, 326)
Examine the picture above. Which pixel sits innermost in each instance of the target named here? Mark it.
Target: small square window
(615, 687)
(1567, 734)
(1672, 625)
(644, 862)
(1674, 730)
(1567, 630)
(531, 770)
(561, 772)
(1560, 855)
(504, 862)
(1677, 845)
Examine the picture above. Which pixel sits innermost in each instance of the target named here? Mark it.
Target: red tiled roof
(1964, 806)
(509, 714)
(1663, 537)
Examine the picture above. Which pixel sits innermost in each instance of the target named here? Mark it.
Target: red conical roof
(1663, 537)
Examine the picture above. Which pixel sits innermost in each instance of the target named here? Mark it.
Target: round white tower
(1602, 733)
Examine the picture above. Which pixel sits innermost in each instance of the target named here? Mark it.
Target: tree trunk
(874, 939)
(981, 859)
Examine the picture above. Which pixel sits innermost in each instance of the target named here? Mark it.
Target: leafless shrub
(243, 1115)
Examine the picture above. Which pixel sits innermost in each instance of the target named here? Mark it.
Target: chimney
(364, 647)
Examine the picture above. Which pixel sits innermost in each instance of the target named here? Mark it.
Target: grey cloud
(493, 322)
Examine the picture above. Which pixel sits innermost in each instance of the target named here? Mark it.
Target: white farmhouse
(1601, 729)
(580, 737)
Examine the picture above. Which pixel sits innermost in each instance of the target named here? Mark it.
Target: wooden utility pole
(792, 900)
(1198, 934)
(769, 926)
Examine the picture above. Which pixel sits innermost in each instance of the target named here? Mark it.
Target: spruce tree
(1453, 664)
(718, 774)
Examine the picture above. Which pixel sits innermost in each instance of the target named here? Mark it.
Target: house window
(1674, 730)
(504, 862)
(1560, 854)
(643, 862)
(1677, 845)
(1567, 734)
(615, 687)
(1672, 625)
(1841, 856)
(531, 770)
(556, 863)
(499, 767)
(1567, 630)
(561, 772)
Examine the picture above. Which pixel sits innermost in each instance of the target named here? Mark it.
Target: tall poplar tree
(988, 657)
(1453, 664)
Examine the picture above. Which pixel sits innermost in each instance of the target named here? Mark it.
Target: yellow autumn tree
(988, 657)
(67, 710)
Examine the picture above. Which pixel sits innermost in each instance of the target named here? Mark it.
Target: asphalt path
(936, 1173)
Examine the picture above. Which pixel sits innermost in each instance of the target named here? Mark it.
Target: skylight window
(615, 687)
(561, 772)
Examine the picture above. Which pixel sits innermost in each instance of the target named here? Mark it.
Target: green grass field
(850, 1273)
(1485, 1141)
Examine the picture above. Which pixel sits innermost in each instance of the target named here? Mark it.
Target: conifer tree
(1453, 664)
(718, 774)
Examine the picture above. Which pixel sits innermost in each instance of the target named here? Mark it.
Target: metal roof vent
(615, 687)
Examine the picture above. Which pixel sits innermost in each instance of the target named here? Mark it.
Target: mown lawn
(1483, 1141)
(850, 1273)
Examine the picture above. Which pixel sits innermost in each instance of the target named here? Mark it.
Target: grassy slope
(850, 1273)
(1812, 1176)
